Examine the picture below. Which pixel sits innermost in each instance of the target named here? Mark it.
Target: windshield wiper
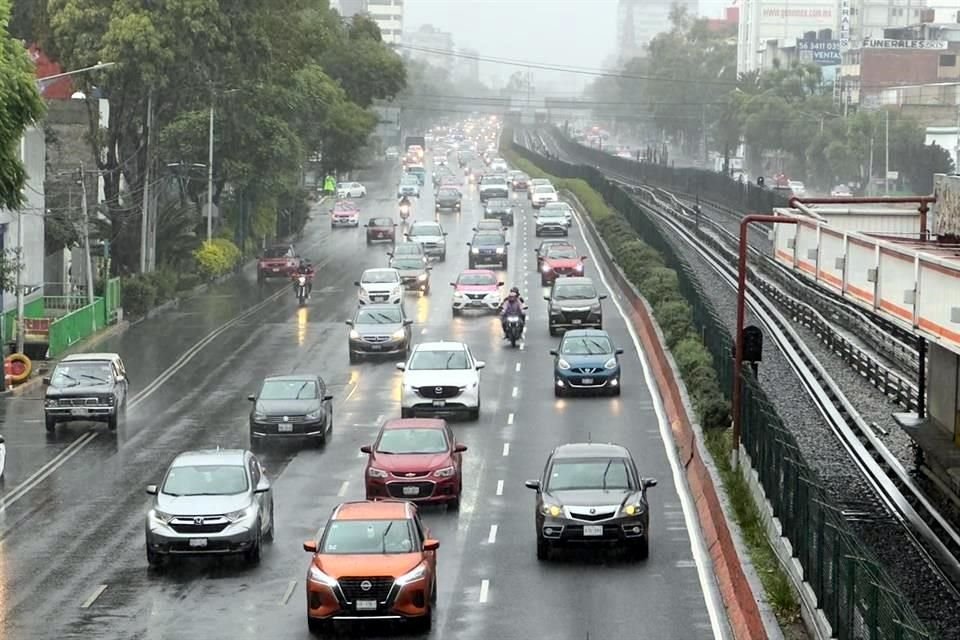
(98, 379)
(605, 472)
(383, 539)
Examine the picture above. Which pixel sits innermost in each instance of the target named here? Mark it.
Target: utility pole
(20, 265)
(145, 221)
(86, 241)
(870, 170)
(210, 175)
(886, 151)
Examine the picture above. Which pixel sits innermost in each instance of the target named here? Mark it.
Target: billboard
(889, 43)
(809, 16)
(821, 52)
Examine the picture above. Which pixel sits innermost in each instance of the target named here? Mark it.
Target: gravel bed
(932, 601)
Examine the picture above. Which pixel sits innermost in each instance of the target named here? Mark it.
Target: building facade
(467, 66)
(388, 14)
(640, 21)
(439, 43)
(779, 23)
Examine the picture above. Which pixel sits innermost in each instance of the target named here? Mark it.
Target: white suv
(542, 195)
(431, 237)
(380, 286)
(440, 379)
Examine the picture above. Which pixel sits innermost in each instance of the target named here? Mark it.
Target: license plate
(476, 303)
(78, 412)
(276, 269)
(285, 427)
(593, 530)
(439, 403)
(587, 381)
(577, 321)
(366, 605)
(411, 491)
(198, 542)
(376, 347)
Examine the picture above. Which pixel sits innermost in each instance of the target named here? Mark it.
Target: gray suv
(448, 198)
(91, 387)
(211, 502)
(574, 303)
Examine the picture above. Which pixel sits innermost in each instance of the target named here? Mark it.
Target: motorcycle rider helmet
(514, 294)
(514, 291)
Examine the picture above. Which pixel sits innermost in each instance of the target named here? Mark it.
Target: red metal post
(741, 312)
(923, 204)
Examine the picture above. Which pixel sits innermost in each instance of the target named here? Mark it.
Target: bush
(216, 257)
(139, 295)
(690, 354)
(675, 319)
(188, 281)
(165, 283)
(659, 284)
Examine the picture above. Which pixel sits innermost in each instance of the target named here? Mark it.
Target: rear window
(381, 222)
(567, 291)
(448, 193)
(488, 240)
(277, 252)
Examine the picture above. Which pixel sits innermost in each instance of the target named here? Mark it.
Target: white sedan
(351, 190)
(380, 286)
(440, 379)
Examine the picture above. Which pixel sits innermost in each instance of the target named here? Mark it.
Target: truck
(415, 141)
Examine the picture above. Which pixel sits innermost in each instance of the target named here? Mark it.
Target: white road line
(518, 367)
(30, 420)
(289, 592)
(93, 596)
(380, 419)
(46, 470)
(506, 448)
(493, 534)
(701, 555)
(484, 591)
(510, 419)
(423, 331)
(343, 489)
(499, 487)
(516, 390)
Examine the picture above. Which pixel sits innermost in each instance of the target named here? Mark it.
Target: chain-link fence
(860, 601)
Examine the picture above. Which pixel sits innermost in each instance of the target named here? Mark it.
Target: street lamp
(210, 164)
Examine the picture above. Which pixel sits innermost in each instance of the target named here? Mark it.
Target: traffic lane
(672, 598)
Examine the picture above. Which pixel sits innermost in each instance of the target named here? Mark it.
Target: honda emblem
(366, 585)
(592, 511)
(198, 521)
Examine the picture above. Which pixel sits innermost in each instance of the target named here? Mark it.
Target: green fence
(859, 599)
(33, 309)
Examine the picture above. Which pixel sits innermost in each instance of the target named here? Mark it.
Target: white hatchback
(380, 286)
(351, 190)
(440, 379)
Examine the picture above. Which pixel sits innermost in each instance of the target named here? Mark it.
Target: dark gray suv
(89, 387)
(448, 198)
(574, 304)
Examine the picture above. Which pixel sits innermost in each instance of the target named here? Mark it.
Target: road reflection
(303, 315)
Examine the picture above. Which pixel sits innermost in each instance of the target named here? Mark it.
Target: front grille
(425, 490)
(411, 474)
(379, 297)
(592, 517)
(80, 402)
(586, 370)
(378, 588)
(207, 525)
(290, 419)
(376, 339)
(476, 296)
(438, 391)
(576, 315)
(565, 271)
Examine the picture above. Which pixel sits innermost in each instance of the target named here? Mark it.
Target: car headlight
(578, 267)
(595, 308)
(50, 402)
(474, 251)
(546, 268)
(422, 277)
(500, 250)
(373, 472)
(563, 364)
(161, 516)
(552, 510)
(633, 509)
(610, 364)
(259, 415)
(446, 472)
(396, 291)
(399, 334)
(354, 334)
(459, 295)
(315, 575)
(314, 415)
(241, 514)
(417, 574)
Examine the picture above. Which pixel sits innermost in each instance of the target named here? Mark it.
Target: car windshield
(490, 240)
(381, 222)
(407, 249)
(368, 537)
(586, 346)
(405, 441)
(448, 193)
(288, 390)
(379, 316)
(381, 276)
(568, 291)
(569, 475)
(72, 374)
(425, 230)
(561, 206)
(425, 359)
(562, 252)
(545, 189)
(407, 263)
(551, 213)
(277, 252)
(521, 176)
(206, 480)
(477, 279)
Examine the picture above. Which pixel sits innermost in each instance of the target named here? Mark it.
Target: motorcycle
(302, 288)
(404, 211)
(513, 327)
(3, 456)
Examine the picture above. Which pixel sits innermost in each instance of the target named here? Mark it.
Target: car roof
(302, 376)
(415, 423)
(372, 269)
(442, 345)
(581, 333)
(591, 450)
(373, 510)
(100, 357)
(211, 456)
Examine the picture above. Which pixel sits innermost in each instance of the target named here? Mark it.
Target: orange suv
(374, 561)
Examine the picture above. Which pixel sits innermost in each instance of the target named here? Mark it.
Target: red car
(415, 459)
(279, 261)
(344, 214)
(560, 260)
(380, 229)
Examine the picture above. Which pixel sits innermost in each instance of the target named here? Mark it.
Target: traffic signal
(760, 181)
(752, 344)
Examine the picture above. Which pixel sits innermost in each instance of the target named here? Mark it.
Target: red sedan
(560, 260)
(380, 230)
(415, 459)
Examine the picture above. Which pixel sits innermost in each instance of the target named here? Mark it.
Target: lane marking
(484, 591)
(288, 593)
(380, 419)
(46, 470)
(506, 448)
(492, 538)
(518, 367)
(423, 331)
(515, 392)
(701, 555)
(93, 596)
(343, 489)
(499, 487)
(510, 419)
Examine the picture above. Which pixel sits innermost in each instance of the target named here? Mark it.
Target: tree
(365, 68)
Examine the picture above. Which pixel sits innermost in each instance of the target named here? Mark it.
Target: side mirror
(429, 268)
(453, 284)
(402, 366)
(151, 489)
(445, 233)
(356, 283)
(554, 352)
(474, 229)
(469, 244)
(46, 381)
(547, 298)
(602, 297)
(388, 252)
(481, 364)
(532, 484)
(499, 284)
(366, 449)
(619, 352)
(460, 448)
(506, 244)
(252, 398)
(263, 488)
(327, 398)
(407, 323)
(310, 546)
(584, 258)
(649, 482)
(431, 545)
(349, 323)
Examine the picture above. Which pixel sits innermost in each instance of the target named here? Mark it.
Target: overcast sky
(554, 32)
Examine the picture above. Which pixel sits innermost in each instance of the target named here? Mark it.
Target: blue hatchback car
(586, 361)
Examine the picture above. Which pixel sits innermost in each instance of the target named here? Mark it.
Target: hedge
(144, 291)
(216, 257)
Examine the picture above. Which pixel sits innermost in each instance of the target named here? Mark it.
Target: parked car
(381, 229)
(91, 387)
(292, 406)
(841, 191)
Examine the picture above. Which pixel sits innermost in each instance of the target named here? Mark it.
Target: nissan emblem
(366, 585)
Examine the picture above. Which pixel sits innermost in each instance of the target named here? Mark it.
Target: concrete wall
(943, 389)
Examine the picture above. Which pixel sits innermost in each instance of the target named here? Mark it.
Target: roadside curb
(738, 591)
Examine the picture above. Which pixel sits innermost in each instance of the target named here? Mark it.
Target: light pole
(210, 175)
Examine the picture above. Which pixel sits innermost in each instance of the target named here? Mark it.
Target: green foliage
(216, 257)
(10, 264)
(139, 295)
(21, 107)
(676, 321)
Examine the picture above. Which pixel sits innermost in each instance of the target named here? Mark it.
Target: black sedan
(591, 494)
(379, 329)
(295, 406)
(499, 209)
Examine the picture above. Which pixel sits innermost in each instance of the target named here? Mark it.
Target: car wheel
(369, 242)
(113, 420)
(454, 504)
(504, 264)
(544, 282)
(268, 536)
(557, 390)
(641, 549)
(553, 331)
(155, 560)
(456, 312)
(443, 257)
(471, 264)
(50, 423)
(615, 391)
(543, 549)
(254, 553)
(354, 358)
(475, 413)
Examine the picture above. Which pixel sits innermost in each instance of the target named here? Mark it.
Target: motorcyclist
(405, 205)
(511, 306)
(306, 269)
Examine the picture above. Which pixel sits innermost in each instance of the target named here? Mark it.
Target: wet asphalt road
(72, 561)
